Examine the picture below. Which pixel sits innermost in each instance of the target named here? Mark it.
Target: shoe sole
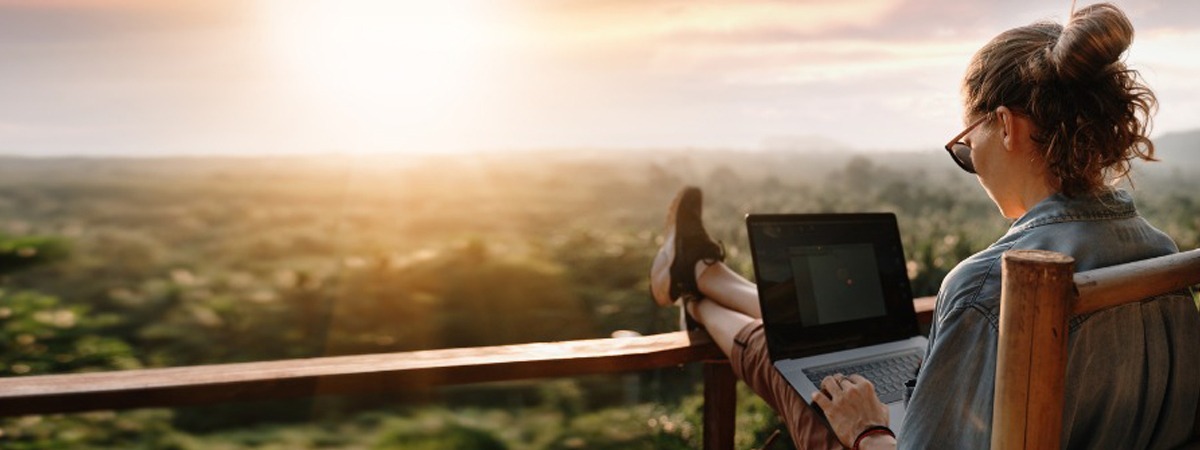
(660, 273)
(677, 287)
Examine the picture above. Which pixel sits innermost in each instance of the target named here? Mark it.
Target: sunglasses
(960, 151)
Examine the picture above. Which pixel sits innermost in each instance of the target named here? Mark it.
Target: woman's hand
(851, 406)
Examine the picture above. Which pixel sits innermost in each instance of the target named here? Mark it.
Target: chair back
(1040, 291)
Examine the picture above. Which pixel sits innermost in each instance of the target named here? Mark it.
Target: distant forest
(118, 263)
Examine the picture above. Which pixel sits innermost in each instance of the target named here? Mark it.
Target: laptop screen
(830, 280)
(833, 283)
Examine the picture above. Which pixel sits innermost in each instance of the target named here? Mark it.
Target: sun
(392, 73)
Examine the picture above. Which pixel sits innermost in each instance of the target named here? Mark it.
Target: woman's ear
(1009, 126)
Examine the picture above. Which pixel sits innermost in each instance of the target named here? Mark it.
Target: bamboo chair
(1040, 291)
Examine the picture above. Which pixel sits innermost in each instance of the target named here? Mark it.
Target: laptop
(835, 298)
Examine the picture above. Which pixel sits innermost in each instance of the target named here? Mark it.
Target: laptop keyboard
(888, 372)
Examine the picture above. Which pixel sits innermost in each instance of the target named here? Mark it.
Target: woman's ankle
(702, 268)
(692, 306)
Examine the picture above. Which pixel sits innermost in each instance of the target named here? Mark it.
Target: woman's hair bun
(1094, 38)
(1091, 113)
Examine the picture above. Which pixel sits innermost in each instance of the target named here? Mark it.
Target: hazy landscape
(120, 263)
(195, 182)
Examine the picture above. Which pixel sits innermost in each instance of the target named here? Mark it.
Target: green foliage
(40, 335)
(645, 427)
(443, 437)
(755, 420)
(147, 429)
(25, 252)
(608, 272)
(461, 296)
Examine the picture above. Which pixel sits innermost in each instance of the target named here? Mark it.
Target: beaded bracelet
(872, 430)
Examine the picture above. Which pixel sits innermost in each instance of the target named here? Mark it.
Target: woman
(1053, 119)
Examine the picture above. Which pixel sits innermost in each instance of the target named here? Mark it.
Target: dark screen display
(835, 283)
(829, 275)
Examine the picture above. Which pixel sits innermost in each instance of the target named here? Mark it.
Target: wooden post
(720, 405)
(1031, 361)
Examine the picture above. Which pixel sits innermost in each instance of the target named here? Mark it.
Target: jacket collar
(1105, 204)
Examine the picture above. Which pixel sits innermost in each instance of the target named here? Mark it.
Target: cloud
(57, 22)
(146, 76)
(622, 22)
(880, 74)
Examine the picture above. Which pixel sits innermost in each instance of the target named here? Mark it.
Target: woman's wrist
(875, 437)
(877, 442)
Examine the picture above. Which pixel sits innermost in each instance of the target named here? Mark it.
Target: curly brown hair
(1092, 114)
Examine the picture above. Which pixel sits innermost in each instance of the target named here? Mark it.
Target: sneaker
(673, 273)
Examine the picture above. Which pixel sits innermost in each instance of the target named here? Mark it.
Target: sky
(270, 77)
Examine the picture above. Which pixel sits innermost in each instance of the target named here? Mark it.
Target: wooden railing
(385, 372)
(1040, 292)
(388, 372)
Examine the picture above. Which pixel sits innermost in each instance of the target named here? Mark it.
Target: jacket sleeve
(951, 406)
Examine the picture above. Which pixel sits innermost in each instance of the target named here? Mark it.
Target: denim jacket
(1131, 371)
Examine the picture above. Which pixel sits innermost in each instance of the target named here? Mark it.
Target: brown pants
(752, 364)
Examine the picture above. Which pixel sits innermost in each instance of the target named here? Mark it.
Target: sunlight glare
(392, 73)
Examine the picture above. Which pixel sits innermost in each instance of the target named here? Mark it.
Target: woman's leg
(689, 262)
(722, 323)
(721, 284)
(741, 338)
(726, 305)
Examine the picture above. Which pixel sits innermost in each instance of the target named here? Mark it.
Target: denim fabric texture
(1131, 371)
